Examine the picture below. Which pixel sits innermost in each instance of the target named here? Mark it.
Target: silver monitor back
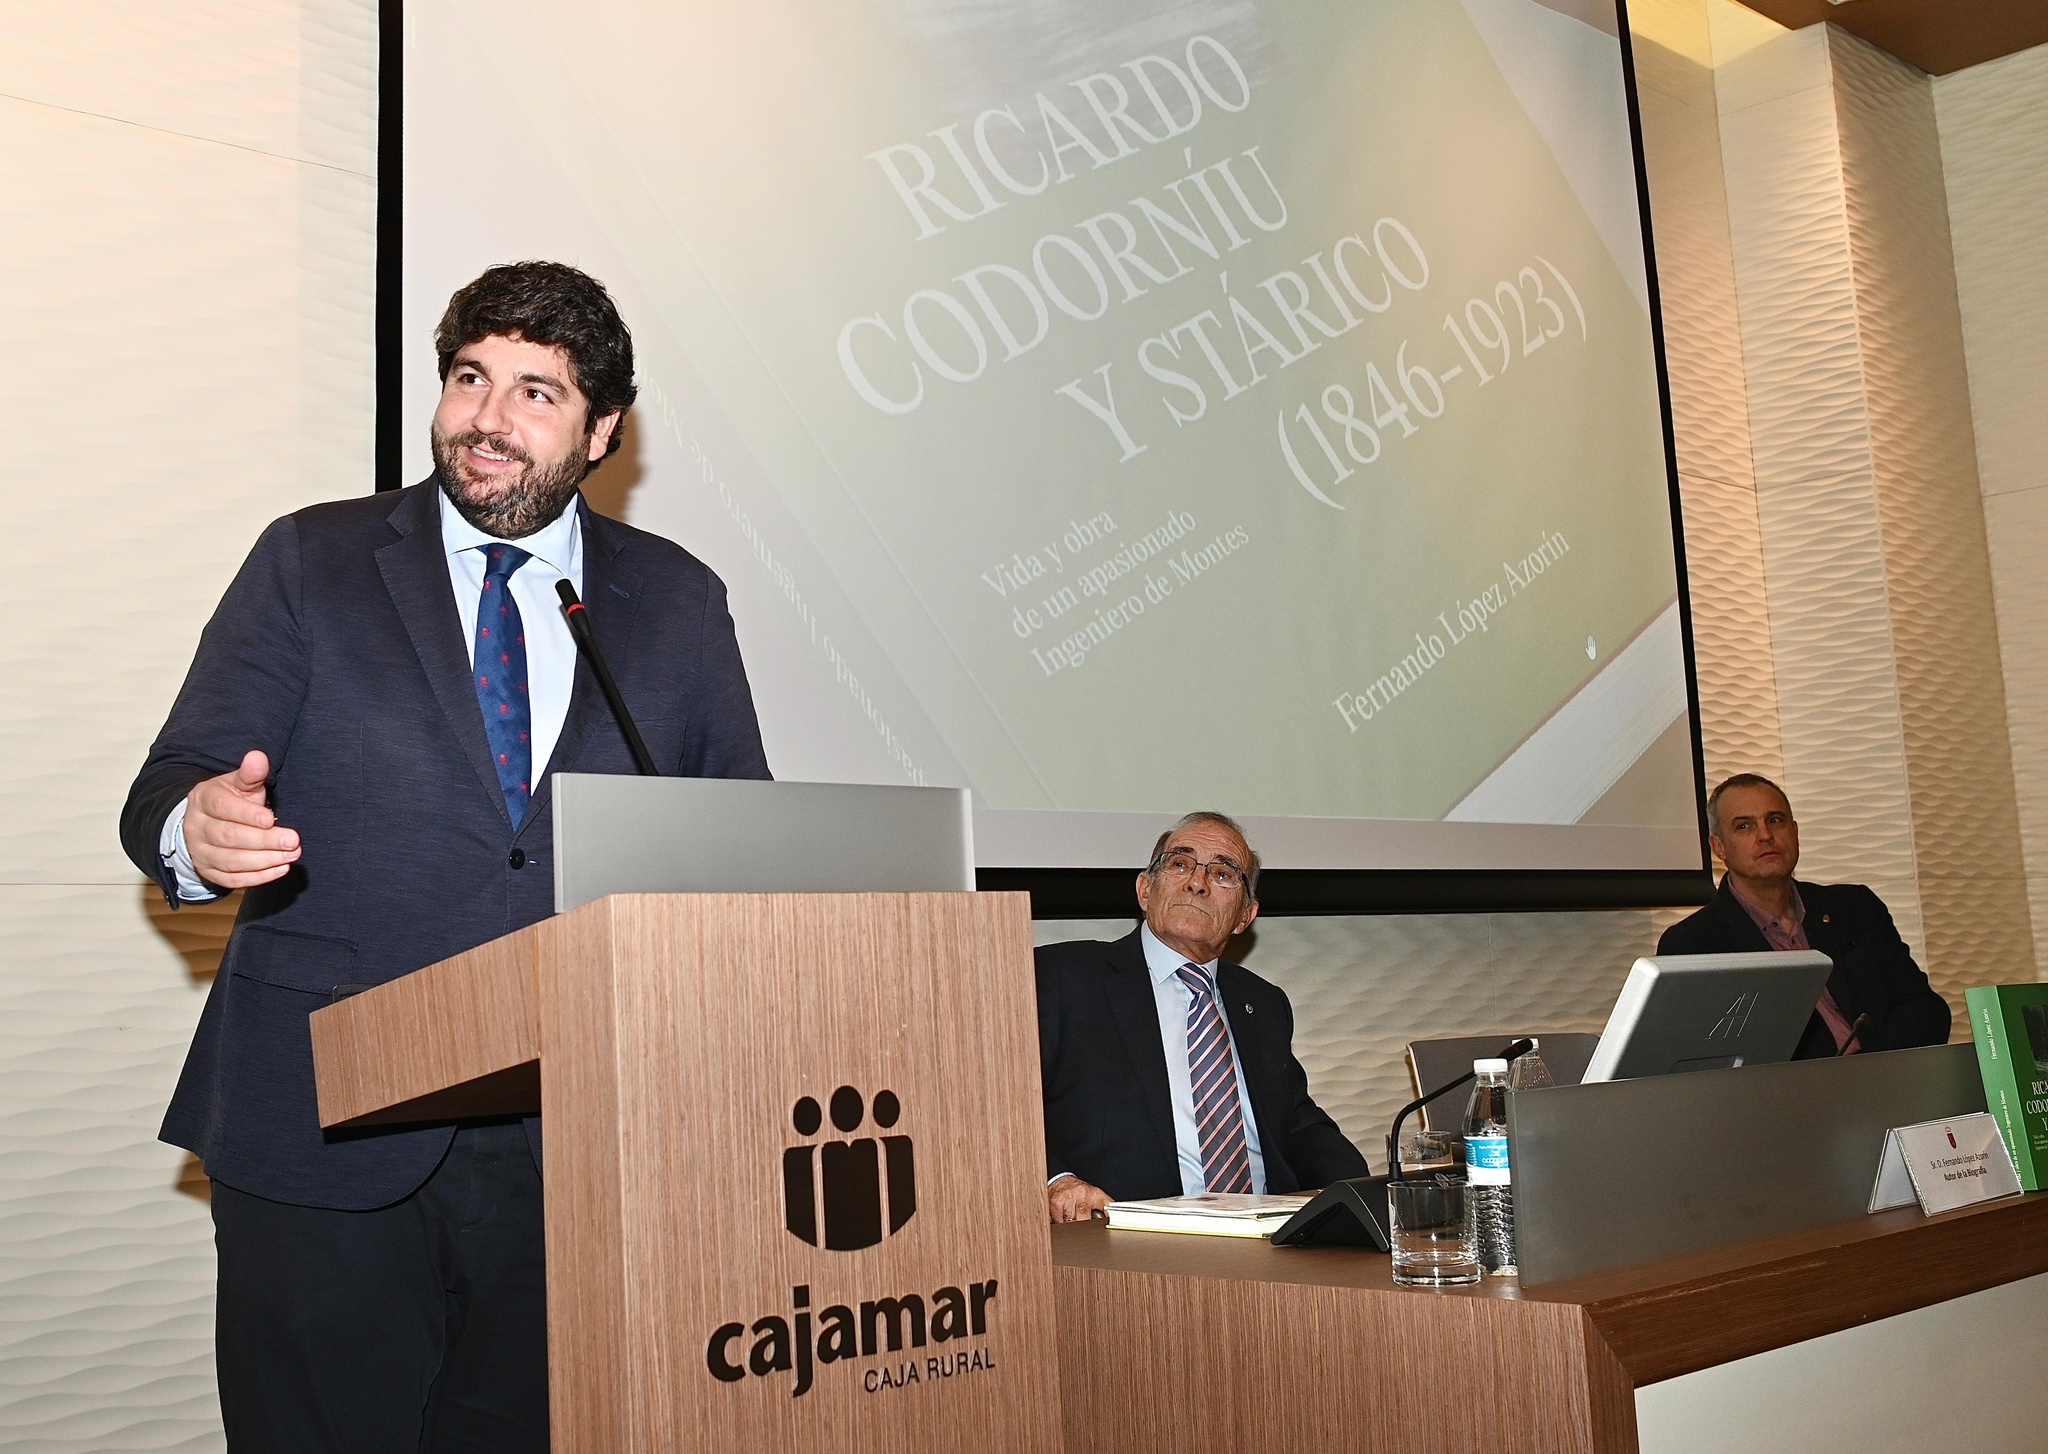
(680, 835)
(1708, 1012)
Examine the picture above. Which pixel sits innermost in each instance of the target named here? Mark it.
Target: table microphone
(1353, 1212)
(574, 612)
(1513, 1050)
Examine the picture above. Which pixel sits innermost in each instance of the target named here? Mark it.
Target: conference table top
(1665, 1318)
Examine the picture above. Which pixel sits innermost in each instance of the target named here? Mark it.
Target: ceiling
(1938, 36)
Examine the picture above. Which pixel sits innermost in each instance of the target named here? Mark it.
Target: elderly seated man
(1168, 1071)
(1877, 998)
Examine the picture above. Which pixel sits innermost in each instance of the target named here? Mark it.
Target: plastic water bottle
(1528, 1072)
(1486, 1166)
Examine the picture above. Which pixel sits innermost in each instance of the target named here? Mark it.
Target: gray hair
(1740, 780)
(1221, 820)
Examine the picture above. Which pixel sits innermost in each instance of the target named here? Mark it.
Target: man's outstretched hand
(235, 840)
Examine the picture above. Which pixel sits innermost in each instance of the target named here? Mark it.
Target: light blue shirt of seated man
(1173, 997)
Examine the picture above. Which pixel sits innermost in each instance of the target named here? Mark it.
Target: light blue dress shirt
(557, 551)
(1173, 998)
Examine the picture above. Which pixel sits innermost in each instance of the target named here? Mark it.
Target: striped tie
(1212, 1074)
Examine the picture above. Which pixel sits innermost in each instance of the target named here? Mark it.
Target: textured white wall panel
(2017, 522)
(1966, 843)
(1675, 27)
(201, 317)
(1695, 260)
(186, 252)
(1734, 31)
(158, 431)
(1793, 280)
(1845, 751)
(1823, 544)
(1890, 692)
(106, 1266)
(1994, 150)
(253, 74)
(1904, 275)
(1734, 656)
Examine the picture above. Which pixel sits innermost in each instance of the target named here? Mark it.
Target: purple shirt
(1783, 937)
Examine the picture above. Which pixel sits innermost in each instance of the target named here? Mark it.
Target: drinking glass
(1423, 1152)
(1433, 1233)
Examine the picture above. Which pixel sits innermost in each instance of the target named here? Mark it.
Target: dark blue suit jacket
(338, 652)
(1102, 1063)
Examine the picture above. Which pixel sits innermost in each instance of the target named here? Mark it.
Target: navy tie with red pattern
(500, 672)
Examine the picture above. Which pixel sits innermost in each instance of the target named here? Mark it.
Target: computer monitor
(1708, 1012)
(679, 835)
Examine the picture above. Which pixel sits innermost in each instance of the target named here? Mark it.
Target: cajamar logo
(840, 1194)
(850, 1174)
(788, 1342)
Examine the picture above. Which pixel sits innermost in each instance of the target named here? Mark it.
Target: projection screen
(1118, 407)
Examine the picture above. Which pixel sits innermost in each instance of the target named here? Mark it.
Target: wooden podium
(793, 1160)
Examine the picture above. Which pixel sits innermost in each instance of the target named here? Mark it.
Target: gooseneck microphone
(1352, 1212)
(586, 642)
(1513, 1050)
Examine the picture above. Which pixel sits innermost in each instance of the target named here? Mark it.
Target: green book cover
(2010, 1024)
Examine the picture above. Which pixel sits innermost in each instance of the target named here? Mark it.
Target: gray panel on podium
(1632, 1171)
(682, 835)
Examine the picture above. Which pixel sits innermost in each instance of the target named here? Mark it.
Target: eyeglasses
(1223, 874)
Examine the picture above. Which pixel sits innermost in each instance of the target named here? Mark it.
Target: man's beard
(515, 506)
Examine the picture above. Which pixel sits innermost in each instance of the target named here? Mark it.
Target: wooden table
(1191, 1344)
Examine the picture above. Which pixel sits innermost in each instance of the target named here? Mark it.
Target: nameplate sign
(1944, 1165)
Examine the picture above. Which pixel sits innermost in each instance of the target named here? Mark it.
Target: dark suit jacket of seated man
(1877, 998)
(1112, 1073)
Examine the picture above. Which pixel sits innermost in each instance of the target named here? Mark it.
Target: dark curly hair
(557, 306)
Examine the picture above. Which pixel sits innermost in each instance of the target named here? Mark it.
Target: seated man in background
(1166, 1071)
(1877, 998)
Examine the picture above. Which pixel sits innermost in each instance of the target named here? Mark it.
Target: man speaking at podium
(365, 743)
(1166, 1071)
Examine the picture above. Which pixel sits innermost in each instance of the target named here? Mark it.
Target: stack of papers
(1213, 1214)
